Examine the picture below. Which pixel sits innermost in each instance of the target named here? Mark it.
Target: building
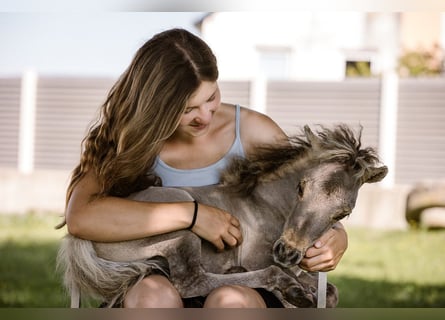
(315, 46)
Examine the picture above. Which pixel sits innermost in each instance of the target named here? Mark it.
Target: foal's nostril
(294, 257)
(285, 255)
(279, 249)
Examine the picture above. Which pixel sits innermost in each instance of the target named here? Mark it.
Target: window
(358, 69)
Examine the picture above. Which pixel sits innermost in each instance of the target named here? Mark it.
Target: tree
(422, 62)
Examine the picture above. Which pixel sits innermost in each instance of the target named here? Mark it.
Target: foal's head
(327, 168)
(328, 173)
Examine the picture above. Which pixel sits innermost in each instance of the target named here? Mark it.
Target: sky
(78, 43)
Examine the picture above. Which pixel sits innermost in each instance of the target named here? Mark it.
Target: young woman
(164, 116)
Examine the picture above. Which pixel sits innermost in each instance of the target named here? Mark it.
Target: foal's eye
(342, 215)
(300, 188)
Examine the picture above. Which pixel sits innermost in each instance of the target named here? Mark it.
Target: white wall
(316, 41)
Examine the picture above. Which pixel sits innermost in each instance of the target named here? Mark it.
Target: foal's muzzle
(286, 255)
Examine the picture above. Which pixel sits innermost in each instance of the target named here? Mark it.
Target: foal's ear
(311, 137)
(374, 174)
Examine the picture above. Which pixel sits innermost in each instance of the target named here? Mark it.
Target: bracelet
(195, 215)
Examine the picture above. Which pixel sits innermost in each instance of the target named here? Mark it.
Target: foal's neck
(279, 194)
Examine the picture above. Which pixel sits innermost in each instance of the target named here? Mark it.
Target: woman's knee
(234, 297)
(154, 291)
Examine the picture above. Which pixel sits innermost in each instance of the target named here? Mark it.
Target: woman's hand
(327, 250)
(218, 227)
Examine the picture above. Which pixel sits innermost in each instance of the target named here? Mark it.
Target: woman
(164, 116)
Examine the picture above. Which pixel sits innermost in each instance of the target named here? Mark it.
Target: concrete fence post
(28, 97)
(388, 124)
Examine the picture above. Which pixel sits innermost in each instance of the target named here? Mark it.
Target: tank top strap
(237, 147)
(238, 121)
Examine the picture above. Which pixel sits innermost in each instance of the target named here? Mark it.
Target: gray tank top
(172, 177)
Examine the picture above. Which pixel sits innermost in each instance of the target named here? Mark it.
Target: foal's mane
(270, 162)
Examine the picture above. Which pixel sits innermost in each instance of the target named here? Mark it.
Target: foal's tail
(99, 278)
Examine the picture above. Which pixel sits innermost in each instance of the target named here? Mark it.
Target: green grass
(28, 249)
(392, 269)
(379, 269)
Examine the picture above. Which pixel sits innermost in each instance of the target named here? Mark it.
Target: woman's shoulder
(258, 128)
(248, 115)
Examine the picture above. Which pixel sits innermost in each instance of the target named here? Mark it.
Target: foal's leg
(271, 278)
(192, 280)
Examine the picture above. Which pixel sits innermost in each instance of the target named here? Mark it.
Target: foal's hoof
(331, 296)
(299, 298)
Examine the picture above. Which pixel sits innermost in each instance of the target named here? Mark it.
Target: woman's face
(200, 109)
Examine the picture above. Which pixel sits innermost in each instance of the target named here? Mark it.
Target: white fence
(43, 120)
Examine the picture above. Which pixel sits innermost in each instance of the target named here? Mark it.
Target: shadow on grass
(362, 293)
(28, 277)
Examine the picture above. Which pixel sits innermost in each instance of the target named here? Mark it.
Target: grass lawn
(397, 269)
(28, 249)
(380, 269)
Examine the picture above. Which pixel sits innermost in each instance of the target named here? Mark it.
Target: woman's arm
(115, 219)
(258, 129)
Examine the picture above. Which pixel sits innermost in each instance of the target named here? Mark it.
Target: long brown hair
(142, 110)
